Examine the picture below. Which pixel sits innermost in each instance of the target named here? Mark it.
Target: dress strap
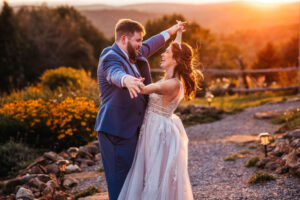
(178, 96)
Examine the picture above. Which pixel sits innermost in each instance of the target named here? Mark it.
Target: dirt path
(211, 176)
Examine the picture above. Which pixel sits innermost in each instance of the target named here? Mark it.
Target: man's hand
(177, 27)
(133, 85)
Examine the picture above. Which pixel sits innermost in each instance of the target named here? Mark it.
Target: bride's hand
(141, 85)
(177, 27)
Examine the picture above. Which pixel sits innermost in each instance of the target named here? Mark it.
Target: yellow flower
(37, 120)
(83, 123)
(61, 136)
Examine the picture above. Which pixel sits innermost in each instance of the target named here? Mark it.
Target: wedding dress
(159, 170)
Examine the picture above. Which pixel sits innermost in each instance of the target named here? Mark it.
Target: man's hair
(128, 27)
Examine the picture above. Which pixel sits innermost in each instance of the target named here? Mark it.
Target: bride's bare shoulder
(172, 84)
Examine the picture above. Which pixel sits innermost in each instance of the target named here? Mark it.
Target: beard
(131, 52)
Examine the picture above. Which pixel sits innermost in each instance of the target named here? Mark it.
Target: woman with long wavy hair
(160, 167)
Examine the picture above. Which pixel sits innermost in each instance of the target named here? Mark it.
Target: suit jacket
(120, 115)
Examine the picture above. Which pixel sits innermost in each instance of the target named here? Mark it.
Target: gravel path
(211, 176)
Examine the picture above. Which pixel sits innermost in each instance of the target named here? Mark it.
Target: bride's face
(167, 59)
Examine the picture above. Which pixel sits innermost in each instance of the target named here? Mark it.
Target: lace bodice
(166, 109)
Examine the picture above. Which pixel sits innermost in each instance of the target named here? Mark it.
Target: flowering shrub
(65, 77)
(58, 84)
(47, 123)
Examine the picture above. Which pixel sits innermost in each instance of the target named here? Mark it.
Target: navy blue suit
(119, 116)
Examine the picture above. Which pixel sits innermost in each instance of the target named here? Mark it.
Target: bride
(159, 170)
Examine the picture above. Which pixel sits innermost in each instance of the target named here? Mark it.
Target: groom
(120, 71)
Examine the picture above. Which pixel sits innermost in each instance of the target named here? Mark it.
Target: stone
(24, 193)
(52, 168)
(96, 143)
(59, 195)
(295, 143)
(70, 182)
(298, 151)
(84, 154)
(72, 168)
(36, 183)
(268, 114)
(51, 155)
(262, 162)
(292, 160)
(85, 162)
(49, 189)
(64, 155)
(37, 194)
(281, 170)
(272, 165)
(293, 134)
(98, 157)
(43, 177)
(39, 161)
(281, 148)
(35, 170)
(92, 149)
(11, 185)
(28, 177)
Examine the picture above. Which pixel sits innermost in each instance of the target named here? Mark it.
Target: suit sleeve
(151, 45)
(113, 70)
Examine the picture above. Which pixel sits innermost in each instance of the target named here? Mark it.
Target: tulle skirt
(159, 170)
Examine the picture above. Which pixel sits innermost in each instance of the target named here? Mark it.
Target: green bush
(11, 128)
(14, 157)
(200, 119)
(231, 157)
(241, 145)
(252, 147)
(100, 169)
(260, 177)
(244, 152)
(290, 120)
(87, 192)
(30, 92)
(2, 185)
(65, 77)
(60, 111)
(252, 161)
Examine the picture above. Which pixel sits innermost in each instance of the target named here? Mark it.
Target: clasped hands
(134, 85)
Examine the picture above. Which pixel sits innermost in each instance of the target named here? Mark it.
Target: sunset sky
(125, 2)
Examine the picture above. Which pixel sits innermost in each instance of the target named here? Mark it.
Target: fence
(241, 73)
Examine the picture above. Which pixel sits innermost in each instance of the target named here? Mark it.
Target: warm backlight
(268, 3)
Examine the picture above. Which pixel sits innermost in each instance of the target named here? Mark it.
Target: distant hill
(105, 19)
(219, 17)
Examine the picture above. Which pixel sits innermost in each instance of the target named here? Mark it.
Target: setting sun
(266, 1)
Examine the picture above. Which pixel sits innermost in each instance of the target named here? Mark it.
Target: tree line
(34, 39)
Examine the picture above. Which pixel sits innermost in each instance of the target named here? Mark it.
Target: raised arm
(151, 45)
(167, 87)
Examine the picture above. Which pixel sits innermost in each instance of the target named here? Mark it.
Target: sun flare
(269, 1)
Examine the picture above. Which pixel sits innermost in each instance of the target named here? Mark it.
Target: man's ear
(123, 39)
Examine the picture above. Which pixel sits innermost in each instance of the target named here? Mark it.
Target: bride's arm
(167, 87)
